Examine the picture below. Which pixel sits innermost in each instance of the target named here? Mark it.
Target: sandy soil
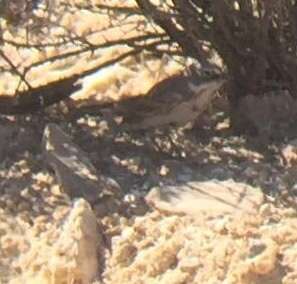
(168, 241)
(47, 238)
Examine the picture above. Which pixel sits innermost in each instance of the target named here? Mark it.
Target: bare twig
(14, 69)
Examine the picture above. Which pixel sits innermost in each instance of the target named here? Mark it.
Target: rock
(263, 256)
(75, 172)
(289, 153)
(268, 115)
(70, 252)
(164, 170)
(213, 198)
(80, 241)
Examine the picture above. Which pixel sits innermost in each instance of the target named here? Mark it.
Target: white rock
(211, 198)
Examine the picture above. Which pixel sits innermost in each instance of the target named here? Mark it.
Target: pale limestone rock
(67, 254)
(211, 198)
(75, 172)
(289, 153)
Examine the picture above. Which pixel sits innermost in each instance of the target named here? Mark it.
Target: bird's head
(207, 87)
(205, 80)
(204, 73)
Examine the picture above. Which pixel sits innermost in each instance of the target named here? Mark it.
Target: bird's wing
(180, 111)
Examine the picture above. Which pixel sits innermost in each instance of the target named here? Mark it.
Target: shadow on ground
(137, 160)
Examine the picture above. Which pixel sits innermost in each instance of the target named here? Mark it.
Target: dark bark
(38, 98)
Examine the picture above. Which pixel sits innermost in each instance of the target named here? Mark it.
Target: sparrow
(176, 100)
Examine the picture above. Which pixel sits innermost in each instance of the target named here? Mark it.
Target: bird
(176, 100)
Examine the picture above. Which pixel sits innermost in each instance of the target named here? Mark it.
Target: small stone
(189, 263)
(229, 150)
(23, 206)
(25, 216)
(25, 193)
(129, 198)
(289, 153)
(56, 190)
(36, 208)
(164, 170)
(42, 178)
(91, 122)
(10, 204)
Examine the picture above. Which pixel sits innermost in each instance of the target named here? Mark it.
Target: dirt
(162, 248)
(47, 237)
(147, 244)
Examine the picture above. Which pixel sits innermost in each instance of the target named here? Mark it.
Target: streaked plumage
(175, 100)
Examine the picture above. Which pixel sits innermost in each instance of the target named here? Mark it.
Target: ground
(33, 205)
(47, 238)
